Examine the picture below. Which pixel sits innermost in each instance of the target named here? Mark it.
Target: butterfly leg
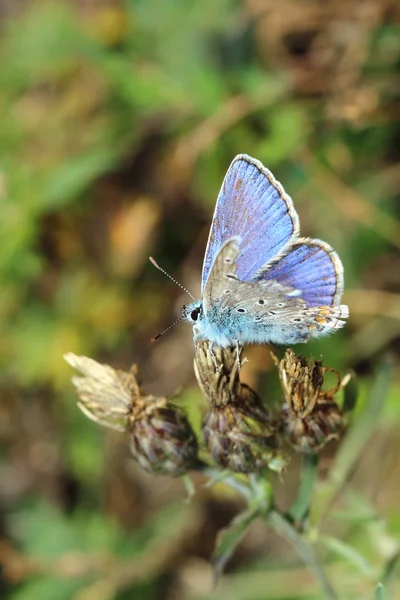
(238, 355)
(214, 358)
(195, 342)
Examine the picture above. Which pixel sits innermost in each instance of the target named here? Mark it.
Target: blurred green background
(118, 121)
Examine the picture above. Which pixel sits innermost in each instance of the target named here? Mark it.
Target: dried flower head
(310, 416)
(161, 438)
(238, 430)
(106, 395)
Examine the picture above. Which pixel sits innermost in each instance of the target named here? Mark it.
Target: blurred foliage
(118, 121)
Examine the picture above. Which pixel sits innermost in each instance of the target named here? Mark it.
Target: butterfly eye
(194, 315)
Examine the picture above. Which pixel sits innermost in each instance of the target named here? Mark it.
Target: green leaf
(353, 516)
(303, 549)
(259, 496)
(229, 538)
(301, 505)
(349, 553)
(380, 592)
(390, 567)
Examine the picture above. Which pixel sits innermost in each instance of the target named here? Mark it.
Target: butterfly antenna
(157, 266)
(153, 339)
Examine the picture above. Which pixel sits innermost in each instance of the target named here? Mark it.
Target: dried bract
(161, 438)
(310, 416)
(106, 394)
(238, 430)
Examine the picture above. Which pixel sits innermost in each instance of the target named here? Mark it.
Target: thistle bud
(161, 438)
(238, 429)
(310, 416)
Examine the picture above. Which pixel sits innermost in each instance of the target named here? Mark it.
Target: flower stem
(303, 549)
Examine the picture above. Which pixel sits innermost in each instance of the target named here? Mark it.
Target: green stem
(229, 479)
(303, 549)
(301, 505)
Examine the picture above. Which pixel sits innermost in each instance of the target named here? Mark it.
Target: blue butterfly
(261, 282)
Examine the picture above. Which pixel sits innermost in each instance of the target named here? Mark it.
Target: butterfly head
(192, 313)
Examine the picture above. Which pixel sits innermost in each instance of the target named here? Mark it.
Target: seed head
(238, 429)
(161, 438)
(310, 416)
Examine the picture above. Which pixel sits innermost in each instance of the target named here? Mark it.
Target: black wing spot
(261, 301)
(241, 310)
(228, 260)
(297, 320)
(281, 304)
(230, 276)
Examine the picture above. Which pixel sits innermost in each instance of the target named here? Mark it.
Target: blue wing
(313, 269)
(254, 207)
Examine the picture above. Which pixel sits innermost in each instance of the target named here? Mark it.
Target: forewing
(311, 268)
(255, 208)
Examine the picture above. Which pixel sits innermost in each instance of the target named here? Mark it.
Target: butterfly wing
(255, 208)
(311, 268)
(263, 311)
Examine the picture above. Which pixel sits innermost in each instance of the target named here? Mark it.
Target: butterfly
(261, 282)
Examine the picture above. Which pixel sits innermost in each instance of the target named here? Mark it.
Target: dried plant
(310, 416)
(241, 433)
(161, 438)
